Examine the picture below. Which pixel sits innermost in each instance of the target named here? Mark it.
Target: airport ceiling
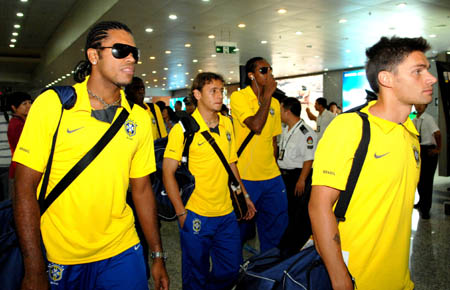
(310, 36)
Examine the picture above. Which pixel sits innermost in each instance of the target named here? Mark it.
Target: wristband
(181, 214)
(159, 255)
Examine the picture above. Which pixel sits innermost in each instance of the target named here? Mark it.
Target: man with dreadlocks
(88, 232)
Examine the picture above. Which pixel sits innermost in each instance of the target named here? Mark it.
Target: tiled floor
(430, 245)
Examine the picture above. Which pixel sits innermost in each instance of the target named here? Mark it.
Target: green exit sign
(226, 47)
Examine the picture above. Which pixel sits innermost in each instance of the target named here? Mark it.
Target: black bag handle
(152, 109)
(80, 166)
(358, 162)
(244, 144)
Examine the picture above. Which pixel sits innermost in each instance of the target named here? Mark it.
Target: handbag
(305, 270)
(11, 260)
(237, 197)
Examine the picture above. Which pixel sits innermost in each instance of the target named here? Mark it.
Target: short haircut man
(89, 232)
(208, 226)
(323, 119)
(375, 236)
(135, 92)
(254, 109)
(296, 154)
(178, 106)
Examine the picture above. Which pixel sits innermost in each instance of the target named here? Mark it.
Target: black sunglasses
(120, 50)
(265, 69)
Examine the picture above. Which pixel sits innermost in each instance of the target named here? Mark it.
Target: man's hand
(251, 209)
(269, 88)
(159, 274)
(182, 219)
(35, 281)
(299, 187)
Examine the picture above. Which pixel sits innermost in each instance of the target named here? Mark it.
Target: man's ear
(251, 76)
(197, 94)
(92, 55)
(13, 108)
(385, 79)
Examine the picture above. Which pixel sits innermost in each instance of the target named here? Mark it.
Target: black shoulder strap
(190, 127)
(152, 109)
(44, 203)
(358, 161)
(244, 144)
(222, 158)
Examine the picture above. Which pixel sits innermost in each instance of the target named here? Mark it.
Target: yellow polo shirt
(211, 196)
(377, 230)
(158, 119)
(90, 220)
(257, 161)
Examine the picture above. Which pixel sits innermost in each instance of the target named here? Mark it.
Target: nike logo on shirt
(379, 156)
(71, 131)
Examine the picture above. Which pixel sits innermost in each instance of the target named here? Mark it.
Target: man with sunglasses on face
(88, 232)
(254, 110)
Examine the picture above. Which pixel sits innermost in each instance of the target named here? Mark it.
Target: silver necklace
(105, 105)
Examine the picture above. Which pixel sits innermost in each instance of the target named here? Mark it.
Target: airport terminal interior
(316, 48)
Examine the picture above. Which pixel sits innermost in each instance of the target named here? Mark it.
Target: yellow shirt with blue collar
(211, 196)
(90, 220)
(377, 229)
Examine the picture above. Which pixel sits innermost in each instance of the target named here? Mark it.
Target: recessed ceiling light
(229, 83)
(149, 87)
(282, 11)
(146, 82)
(175, 76)
(263, 41)
(186, 85)
(166, 68)
(19, 14)
(211, 36)
(432, 35)
(179, 64)
(173, 16)
(348, 51)
(164, 85)
(350, 66)
(163, 89)
(152, 57)
(298, 32)
(325, 69)
(164, 78)
(13, 40)
(156, 86)
(195, 60)
(59, 79)
(192, 80)
(343, 20)
(17, 26)
(213, 55)
(12, 45)
(15, 34)
(139, 62)
(200, 70)
(63, 77)
(168, 52)
(68, 75)
(144, 75)
(241, 25)
(401, 5)
(186, 73)
(231, 72)
(229, 78)
(448, 52)
(155, 80)
(187, 45)
(205, 0)
(149, 29)
(316, 56)
(153, 72)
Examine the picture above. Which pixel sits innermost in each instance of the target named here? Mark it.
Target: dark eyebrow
(421, 66)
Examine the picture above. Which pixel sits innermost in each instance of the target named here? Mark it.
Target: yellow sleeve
(174, 148)
(35, 141)
(143, 162)
(240, 107)
(336, 150)
(233, 151)
(160, 121)
(277, 126)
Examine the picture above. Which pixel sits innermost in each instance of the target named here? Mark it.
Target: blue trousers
(123, 271)
(270, 200)
(204, 238)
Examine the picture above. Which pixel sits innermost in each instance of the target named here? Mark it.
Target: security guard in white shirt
(296, 154)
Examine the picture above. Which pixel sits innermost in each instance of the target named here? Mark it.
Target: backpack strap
(190, 127)
(244, 144)
(358, 162)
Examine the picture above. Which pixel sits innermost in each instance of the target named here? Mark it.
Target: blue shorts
(123, 271)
